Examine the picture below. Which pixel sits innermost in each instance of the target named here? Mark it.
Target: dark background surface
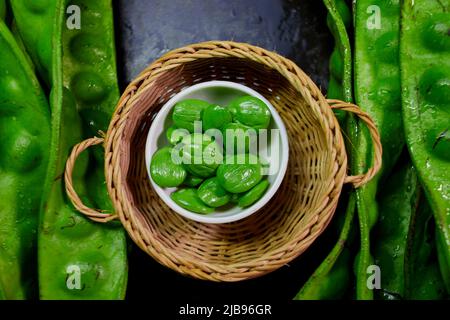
(293, 28)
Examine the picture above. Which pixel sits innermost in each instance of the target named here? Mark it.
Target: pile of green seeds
(208, 175)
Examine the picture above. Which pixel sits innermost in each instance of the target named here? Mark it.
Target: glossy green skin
(253, 195)
(174, 135)
(398, 202)
(340, 83)
(199, 155)
(25, 140)
(192, 181)
(250, 111)
(242, 138)
(423, 280)
(165, 173)
(377, 85)
(237, 176)
(189, 200)
(377, 91)
(425, 74)
(66, 238)
(186, 112)
(34, 20)
(324, 283)
(19, 41)
(212, 193)
(215, 117)
(331, 279)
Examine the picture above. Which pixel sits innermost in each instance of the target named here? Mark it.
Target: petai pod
(34, 21)
(78, 259)
(377, 92)
(398, 202)
(331, 278)
(340, 66)
(25, 140)
(425, 76)
(405, 250)
(19, 41)
(423, 280)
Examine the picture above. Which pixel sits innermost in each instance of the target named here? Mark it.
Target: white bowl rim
(165, 110)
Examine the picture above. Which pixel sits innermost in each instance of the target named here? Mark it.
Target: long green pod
(398, 202)
(340, 65)
(423, 280)
(24, 132)
(330, 279)
(405, 250)
(19, 41)
(425, 76)
(34, 21)
(79, 259)
(377, 91)
(90, 74)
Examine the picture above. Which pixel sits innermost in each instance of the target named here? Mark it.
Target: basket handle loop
(362, 179)
(95, 215)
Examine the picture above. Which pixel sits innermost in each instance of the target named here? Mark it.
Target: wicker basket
(270, 238)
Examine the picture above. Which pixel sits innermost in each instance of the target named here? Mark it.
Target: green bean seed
(212, 193)
(237, 138)
(175, 135)
(215, 117)
(164, 171)
(186, 112)
(254, 194)
(200, 155)
(251, 112)
(189, 200)
(239, 173)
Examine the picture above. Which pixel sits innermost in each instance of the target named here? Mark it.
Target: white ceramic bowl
(217, 92)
